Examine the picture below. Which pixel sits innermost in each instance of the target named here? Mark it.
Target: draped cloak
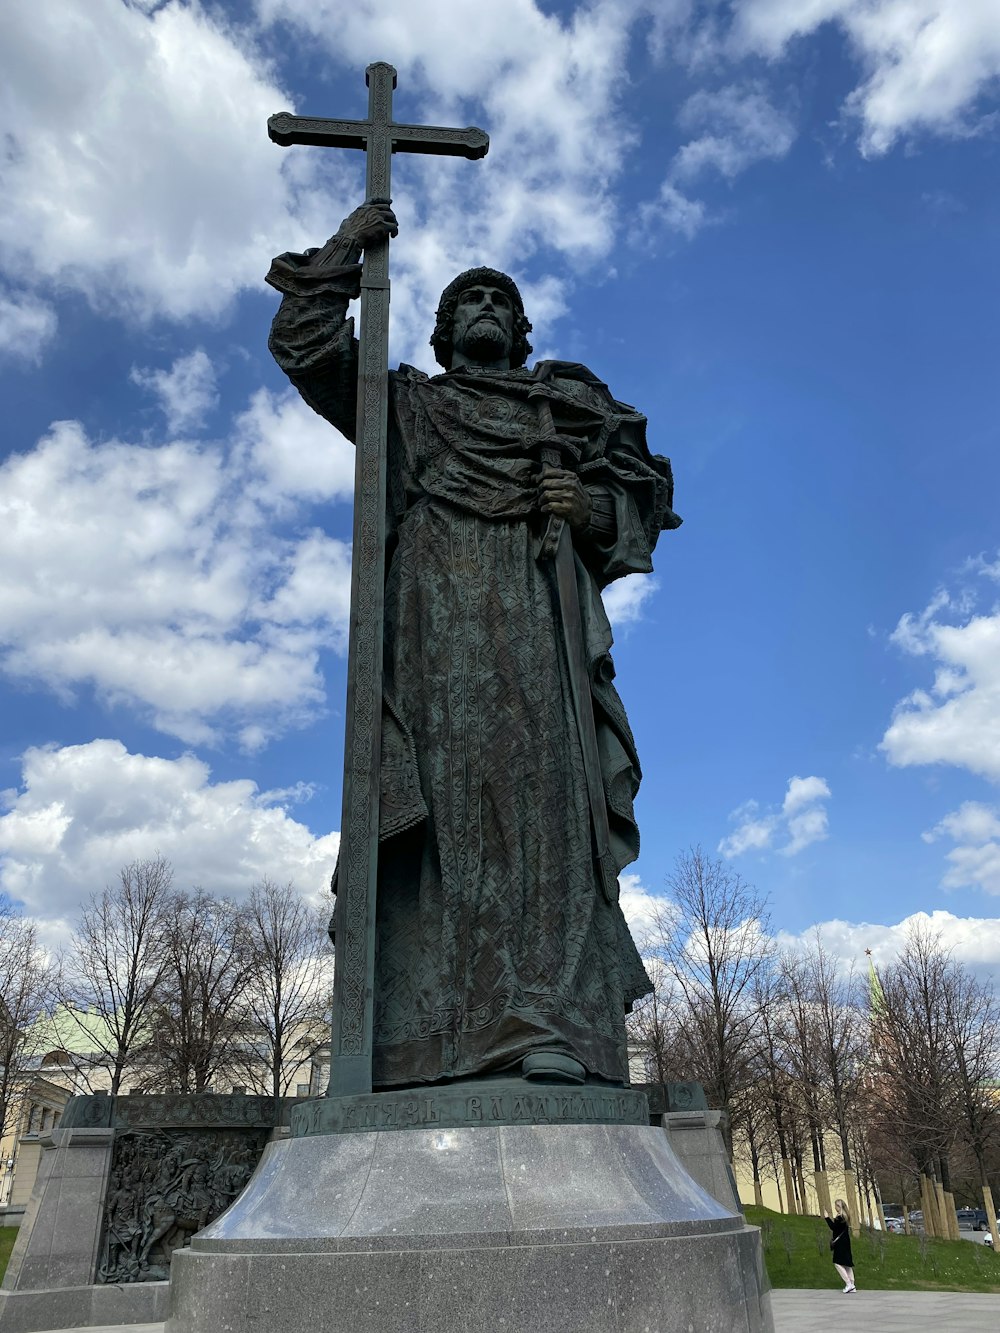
(493, 937)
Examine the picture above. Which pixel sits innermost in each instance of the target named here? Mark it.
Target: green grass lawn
(797, 1253)
(8, 1235)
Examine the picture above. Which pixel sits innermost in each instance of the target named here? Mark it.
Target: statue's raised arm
(312, 338)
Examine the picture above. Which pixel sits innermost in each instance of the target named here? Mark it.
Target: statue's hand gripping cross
(379, 137)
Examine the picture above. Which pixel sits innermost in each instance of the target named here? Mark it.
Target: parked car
(894, 1225)
(968, 1218)
(982, 1223)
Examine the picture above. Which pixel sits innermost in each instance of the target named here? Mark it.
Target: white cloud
(171, 579)
(674, 211)
(186, 391)
(672, 31)
(626, 599)
(315, 585)
(27, 325)
(171, 198)
(298, 454)
(975, 860)
(956, 718)
(546, 86)
(990, 569)
(972, 822)
(178, 199)
(137, 168)
(547, 83)
(975, 867)
(84, 810)
(974, 940)
(804, 813)
(640, 907)
(803, 791)
(753, 832)
(928, 63)
(733, 128)
(804, 829)
(802, 821)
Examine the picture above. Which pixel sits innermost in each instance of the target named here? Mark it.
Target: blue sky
(770, 224)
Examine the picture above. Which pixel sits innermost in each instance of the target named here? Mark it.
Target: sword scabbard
(557, 545)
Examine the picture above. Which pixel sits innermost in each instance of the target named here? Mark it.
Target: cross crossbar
(286, 129)
(354, 916)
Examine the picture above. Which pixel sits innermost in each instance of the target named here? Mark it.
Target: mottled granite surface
(544, 1227)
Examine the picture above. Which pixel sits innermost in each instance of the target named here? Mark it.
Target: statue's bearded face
(483, 329)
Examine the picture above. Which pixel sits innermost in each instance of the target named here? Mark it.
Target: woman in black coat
(840, 1244)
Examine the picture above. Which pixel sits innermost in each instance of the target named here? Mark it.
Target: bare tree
(772, 1072)
(200, 1017)
(917, 1065)
(652, 1024)
(714, 938)
(879, 1148)
(973, 1024)
(842, 1031)
(756, 1130)
(27, 988)
(803, 1042)
(116, 962)
(824, 1034)
(797, 1135)
(289, 985)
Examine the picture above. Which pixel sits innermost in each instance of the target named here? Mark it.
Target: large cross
(354, 919)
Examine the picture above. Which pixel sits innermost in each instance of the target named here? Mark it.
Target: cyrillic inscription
(455, 1108)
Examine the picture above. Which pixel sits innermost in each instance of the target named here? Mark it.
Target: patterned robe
(493, 937)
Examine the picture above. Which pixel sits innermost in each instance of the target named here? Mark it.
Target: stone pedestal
(62, 1272)
(567, 1228)
(696, 1138)
(49, 1280)
(58, 1241)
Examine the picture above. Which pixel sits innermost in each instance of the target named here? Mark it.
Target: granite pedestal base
(82, 1307)
(696, 1138)
(492, 1229)
(60, 1274)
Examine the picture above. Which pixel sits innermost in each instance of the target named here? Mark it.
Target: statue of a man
(497, 949)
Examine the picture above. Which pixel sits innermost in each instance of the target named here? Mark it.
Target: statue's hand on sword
(561, 492)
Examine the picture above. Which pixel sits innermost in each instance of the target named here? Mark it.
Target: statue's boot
(552, 1067)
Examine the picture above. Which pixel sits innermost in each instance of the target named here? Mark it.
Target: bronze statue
(500, 944)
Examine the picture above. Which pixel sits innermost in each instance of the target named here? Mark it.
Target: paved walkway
(883, 1311)
(833, 1312)
(115, 1328)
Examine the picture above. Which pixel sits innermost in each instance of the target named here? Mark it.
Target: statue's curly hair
(445, 318)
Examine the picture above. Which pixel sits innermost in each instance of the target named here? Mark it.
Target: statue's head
(442, 339)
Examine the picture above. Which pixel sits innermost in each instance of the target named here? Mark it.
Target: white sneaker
(848, 1290)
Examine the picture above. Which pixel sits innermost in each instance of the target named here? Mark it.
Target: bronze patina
(502, 501)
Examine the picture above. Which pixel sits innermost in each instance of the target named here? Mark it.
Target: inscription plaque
(472, 1104)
